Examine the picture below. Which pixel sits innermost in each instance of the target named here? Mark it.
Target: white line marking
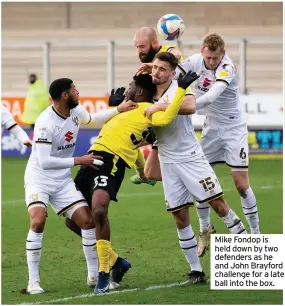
(108, 293)
(146, 194)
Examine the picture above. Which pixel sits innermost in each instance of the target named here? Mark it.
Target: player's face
(161, 72)
(72, 97)
(212, 58)
(145, 50)
(130, 93)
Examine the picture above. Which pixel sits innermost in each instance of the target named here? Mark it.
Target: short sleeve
(226, 73)
(84, 116)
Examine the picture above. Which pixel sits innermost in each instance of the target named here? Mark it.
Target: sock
(34, 251)
(249, 207)
(188, 244)
(113, 257)
(234, 223)
(90, 252)
(104, 253)
(203, 212)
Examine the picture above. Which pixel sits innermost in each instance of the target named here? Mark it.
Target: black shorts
(108, 177)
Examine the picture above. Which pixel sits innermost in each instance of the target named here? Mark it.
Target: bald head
(145, 33)
(146, 42)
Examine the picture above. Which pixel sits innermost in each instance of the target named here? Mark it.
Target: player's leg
(248, 200)
(178, 200)
(105, 189)
(70, 203)
(36, 202)
(214, 153)
(84, 182)
(229, 217)
(201, 181)
(237, 158)
(152, 166)
(151, 169)
(83, 219)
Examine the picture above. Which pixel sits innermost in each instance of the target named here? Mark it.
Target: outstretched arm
(209, 97)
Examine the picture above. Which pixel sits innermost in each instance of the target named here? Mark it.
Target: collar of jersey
(155, 100)
(59, 114)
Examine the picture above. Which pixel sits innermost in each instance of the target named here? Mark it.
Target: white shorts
(64, 198)
(187, 181)
(225, 144)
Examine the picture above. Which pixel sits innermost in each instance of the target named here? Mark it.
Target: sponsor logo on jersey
(68, 136)
(223, 73)
(71, 145)
(206, 82)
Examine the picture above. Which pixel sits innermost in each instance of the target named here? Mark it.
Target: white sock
(249, 207)
(90, 252)
(234, 223)
(34, 251)
(203, 212)
(188, 244)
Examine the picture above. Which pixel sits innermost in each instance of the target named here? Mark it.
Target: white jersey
(7, 120)
(177, 142)
(226, 108)
(53, 129)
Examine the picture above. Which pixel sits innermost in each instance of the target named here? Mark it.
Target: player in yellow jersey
(118, 144)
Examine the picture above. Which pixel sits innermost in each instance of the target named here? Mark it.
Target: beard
(148, 58)
(71, 103)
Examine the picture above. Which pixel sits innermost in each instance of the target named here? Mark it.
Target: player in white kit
(8, 122)
(224, 135)
(48, 175)
(186, 173)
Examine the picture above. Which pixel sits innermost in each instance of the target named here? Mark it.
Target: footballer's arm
(188, 107)
(11, 125)
(209, 97)
(104, 116)
(165, 118)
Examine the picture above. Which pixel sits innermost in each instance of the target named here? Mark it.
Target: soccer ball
(170, 27)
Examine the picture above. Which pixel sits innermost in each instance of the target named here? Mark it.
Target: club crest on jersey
(75, 120)
(165, 99)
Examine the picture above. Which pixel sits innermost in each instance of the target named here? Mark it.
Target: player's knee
(37, 219)
(99, 213)
(37, 225)
(241, 182)
(87, 223)
(181, 217)
(220, 206)
(241, 188)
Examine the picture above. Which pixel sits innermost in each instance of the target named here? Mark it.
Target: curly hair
(145, 81)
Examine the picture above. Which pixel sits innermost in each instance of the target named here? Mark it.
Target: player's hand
(88, 160)
(153, 109)
(187, 80)
(147, 67)
(117, 96)
(127, 106)
(28, 143)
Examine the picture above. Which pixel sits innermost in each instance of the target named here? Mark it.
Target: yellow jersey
(124, 133)
(168, 48)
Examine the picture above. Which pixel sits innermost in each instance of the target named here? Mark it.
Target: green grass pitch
(142, 231)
